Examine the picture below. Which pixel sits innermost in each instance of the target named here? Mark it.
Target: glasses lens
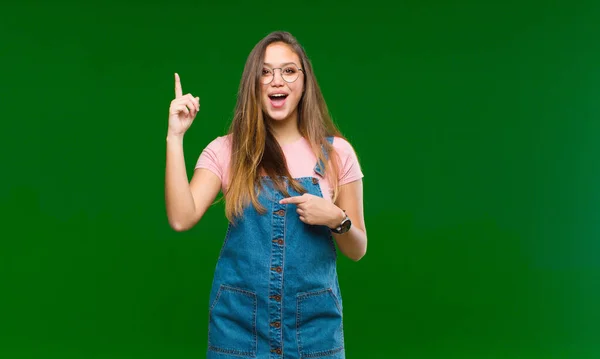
(266, 75)
(290, 73)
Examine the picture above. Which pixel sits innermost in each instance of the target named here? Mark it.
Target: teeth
(278, 95)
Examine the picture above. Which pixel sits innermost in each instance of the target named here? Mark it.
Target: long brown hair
(254, 148)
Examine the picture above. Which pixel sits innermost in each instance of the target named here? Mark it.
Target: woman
(293, 190)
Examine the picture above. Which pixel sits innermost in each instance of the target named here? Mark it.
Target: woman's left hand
(316, 210)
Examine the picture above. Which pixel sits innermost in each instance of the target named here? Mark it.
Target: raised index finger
(178, 91)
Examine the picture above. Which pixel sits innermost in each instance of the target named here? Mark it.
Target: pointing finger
(178, 91)
(293, 200)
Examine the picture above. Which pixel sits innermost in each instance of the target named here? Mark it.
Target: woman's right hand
(183, 110)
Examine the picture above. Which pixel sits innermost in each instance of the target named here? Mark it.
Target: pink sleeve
(211, 157)
(350, 167)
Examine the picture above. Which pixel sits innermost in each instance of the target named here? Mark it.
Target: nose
(277, 78)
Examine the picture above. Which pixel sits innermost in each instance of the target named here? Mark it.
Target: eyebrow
(286, 63)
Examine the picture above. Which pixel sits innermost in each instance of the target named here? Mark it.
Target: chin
(278, 116)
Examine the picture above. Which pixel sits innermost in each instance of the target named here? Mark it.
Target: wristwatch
(344, 226)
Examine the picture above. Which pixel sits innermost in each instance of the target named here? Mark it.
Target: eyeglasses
(289, 73)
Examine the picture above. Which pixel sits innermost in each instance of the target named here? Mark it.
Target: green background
(476, 124)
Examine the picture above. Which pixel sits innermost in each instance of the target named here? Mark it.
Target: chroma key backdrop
(477, 127)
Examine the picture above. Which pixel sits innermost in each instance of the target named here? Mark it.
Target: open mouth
(278, 100)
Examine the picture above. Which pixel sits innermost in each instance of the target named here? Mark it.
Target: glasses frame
(281, 74)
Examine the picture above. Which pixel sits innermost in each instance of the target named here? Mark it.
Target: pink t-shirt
(300, 159)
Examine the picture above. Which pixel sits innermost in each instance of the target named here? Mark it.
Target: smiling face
(278, 96)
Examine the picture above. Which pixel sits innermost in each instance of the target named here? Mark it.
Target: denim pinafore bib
(275, 291)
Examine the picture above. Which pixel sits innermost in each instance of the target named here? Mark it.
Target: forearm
(178, 196)
(353, 243)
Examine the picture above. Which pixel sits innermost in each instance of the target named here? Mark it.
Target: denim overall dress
(275, 291)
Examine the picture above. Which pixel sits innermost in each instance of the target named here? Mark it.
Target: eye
(289, 70)
(266, 71)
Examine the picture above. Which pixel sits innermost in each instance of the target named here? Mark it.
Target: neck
(285, 131)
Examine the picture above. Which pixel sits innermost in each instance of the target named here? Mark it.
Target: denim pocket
(319, 327)
(232, 322)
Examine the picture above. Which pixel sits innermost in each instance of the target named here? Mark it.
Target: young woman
(293, 190)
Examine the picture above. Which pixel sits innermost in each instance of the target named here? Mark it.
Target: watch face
(345, 227)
